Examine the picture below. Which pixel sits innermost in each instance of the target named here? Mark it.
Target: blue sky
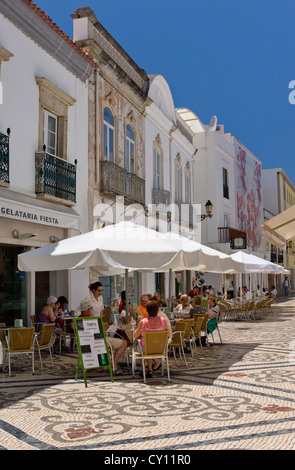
(229, 58)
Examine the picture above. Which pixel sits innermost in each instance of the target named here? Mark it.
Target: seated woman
(49, 312)
(197, 305)
(152, 323)
(123, 316)
(183, 310)
(213, 309)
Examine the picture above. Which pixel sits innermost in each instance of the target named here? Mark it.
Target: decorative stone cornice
(5, 55)
(35, 24)
(64, 97)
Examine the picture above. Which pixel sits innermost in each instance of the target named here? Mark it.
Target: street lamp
(208, 207)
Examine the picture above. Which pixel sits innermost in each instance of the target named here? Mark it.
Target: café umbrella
(116, 249)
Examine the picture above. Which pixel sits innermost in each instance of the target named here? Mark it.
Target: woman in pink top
(151, 323)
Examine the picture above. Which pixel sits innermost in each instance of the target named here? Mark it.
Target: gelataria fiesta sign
(26, 213)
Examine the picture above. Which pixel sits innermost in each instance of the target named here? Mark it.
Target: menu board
(93, 351)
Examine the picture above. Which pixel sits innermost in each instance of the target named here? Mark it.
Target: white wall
(215, 151)
(20, 112)
(270, 190)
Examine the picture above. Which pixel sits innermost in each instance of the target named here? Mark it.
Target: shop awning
(282, 225)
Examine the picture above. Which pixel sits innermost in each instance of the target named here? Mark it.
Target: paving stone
(235, 395)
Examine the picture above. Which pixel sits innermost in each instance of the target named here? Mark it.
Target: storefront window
(12, 286)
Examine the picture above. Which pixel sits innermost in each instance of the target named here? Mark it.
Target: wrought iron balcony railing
(55, 177)
(160, 196)
(4, 157)
(115, 181)
(135, 189)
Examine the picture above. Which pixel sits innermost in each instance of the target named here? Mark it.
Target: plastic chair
(155, 347)
(20, 341)
(44, 340)
(178, 341)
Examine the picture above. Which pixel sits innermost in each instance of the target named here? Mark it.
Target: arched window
(178, 180)
(158, 163)
(130, 146)
(187, 184)
(157, 169)
(108, 134)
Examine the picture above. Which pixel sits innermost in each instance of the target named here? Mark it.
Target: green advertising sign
(92, 346)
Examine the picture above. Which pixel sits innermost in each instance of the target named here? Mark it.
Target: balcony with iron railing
(160, 196)
(55, 178)
(4, 158)
(116, 181)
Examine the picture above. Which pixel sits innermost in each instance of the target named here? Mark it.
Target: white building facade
(229, 175)
(43, 155)
(169, 154)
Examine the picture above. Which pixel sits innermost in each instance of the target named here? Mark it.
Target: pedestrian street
(238, 395)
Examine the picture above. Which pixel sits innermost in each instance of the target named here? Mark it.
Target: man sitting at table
(118, 344)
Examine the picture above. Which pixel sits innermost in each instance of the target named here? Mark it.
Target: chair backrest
(155, 342)
(188, 327)
(177, 338)
(2, 334)
(197, 326)
(205, 319)
(107, 314)
(46, 334)
(21, 338)
(33, 319)
(179, 326)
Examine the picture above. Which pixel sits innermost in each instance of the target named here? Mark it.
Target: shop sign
(26, 213)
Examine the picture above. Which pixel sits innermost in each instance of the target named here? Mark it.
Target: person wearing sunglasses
(183, 309)
(141, 310)
(95, 298)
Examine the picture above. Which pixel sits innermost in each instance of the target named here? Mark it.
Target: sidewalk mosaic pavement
(235, 395)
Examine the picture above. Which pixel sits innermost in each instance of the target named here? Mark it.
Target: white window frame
(187, 185)
(178, 180)
(49, 149)
(157, 174)
(130, 150)
(106, 145)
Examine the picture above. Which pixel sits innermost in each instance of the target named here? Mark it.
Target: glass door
(12, 286)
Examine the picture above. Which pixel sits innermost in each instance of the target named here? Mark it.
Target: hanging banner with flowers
(249, 196)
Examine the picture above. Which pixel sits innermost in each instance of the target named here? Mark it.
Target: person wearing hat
(85, 308)
(49, 312)
(119, 345)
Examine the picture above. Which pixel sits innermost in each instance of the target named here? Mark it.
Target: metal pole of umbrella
(170, 291)
(126, 296)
